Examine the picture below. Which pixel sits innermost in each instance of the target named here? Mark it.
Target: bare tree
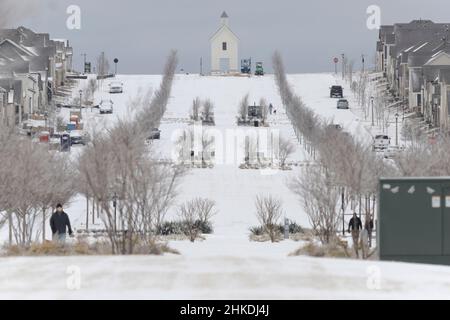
(286, 148)
(188, 214)
(196, 109)
(153, 109)
(102, 65)
(264, 109)
(205, 208)
(243, 109)
(269, 211)
(208, 111)
(319, 196)
(92, 86)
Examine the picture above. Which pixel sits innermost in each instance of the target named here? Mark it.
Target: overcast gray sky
(307, 33)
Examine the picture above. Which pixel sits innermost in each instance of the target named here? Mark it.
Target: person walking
(369, 227)
(270, 108)
(354, 226)
(60, 223)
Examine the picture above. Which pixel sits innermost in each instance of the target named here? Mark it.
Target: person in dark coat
(60, 223)
(369, 227)
(355, 226)
(270, 108)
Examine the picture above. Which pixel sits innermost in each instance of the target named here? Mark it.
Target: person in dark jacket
(369, 227)
(354, 226)
(60, 223)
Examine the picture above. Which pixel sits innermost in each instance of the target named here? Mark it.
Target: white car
(106, 106)
(116, 87)
(381, 142)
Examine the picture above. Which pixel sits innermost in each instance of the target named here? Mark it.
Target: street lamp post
(116, 61)
(373, 120)
(396, 129)
(115, 211)
(343, 211)
(81, 97)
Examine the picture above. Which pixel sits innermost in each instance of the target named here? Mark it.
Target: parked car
(336, 92)
(106, 106)
(343, 104)
(78, 137)
(116, 87)
(155, 134)
(381, 142)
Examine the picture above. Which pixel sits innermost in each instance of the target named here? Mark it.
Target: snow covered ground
(219, 276)
(226, 265)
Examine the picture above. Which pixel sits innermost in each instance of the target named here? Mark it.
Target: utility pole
(343, 66)
(396, 129)
(81, 97)
(201, 66)
(363, 62)
(343, 210)
(373, 120)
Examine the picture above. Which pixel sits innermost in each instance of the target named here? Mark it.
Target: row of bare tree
(346, 169)
(119, 172)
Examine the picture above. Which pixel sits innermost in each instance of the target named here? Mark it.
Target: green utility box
(414, 220)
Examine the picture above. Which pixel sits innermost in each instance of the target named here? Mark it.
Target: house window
(224, 46)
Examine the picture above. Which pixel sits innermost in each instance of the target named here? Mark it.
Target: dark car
(343, 104)
(155, 134)
(336, 92)
(77, 137)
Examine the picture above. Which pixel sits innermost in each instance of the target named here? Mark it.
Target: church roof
(221, 29)
(224, 15)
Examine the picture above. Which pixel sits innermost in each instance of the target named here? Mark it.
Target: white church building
(224, 49)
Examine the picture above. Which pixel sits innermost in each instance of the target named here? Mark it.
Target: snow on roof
(423, 45)
(22, 48)
(410, 48)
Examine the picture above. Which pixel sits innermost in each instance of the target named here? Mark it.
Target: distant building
(32, 69)
(224, 48)
(415, 59)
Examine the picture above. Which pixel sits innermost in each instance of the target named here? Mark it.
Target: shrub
(294, 228)
(257, 231)
(180, 227)
(314, 249)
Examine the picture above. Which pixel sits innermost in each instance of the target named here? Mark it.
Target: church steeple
(224, 18)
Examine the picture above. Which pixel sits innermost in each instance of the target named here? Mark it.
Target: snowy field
(226, 265)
